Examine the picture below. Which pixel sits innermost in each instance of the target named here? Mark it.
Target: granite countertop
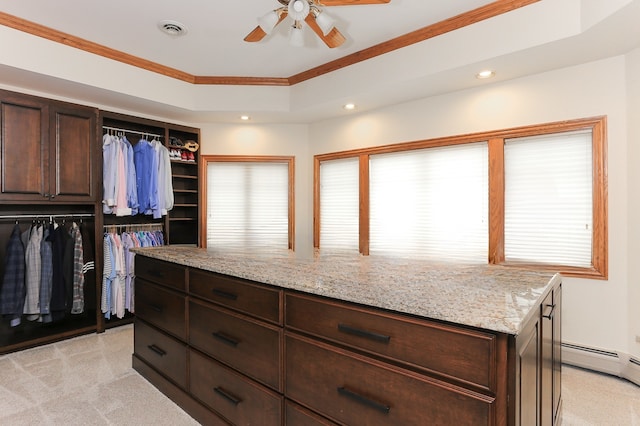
(491, 297)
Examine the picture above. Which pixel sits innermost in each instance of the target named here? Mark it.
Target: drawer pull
(224, 338)
(157, 350)
(364, 400)
(156, 308)
(364, 333)
(224, 294)
(227, 395)
(155, 273)
(551, 309)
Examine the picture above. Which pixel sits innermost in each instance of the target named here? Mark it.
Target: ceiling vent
(173, 28)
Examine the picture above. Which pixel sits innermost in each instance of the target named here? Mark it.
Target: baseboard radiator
(608, 362)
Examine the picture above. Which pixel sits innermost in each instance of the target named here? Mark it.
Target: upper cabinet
(47, 150)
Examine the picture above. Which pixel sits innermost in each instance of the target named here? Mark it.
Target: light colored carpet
(88, 380)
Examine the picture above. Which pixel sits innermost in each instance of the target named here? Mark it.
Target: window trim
(495, 139)
(204, 166)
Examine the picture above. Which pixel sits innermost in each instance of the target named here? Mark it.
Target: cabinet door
(546, 400)
(24, 149)
(528, 374)
(73, 136)
(557, 353)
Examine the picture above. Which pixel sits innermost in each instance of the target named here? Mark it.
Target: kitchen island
(278, 338)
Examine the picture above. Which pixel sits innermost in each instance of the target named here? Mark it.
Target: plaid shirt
(77, 306)
(12, 293)
(46, 277)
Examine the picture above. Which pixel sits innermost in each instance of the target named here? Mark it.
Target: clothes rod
(116, 129)
(135, 225)
(44, 216)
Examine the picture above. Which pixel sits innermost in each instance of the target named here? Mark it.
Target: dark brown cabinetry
(539, 364)
(259, 354)
(48, 150)
(49, 167)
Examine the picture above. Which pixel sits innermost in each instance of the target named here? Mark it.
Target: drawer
(252, 347)
(238, 294)
(160, 272)
(357, 390)
(296, 415)
(162, 352)
(161, 307)
(449, 351)
(238, 399)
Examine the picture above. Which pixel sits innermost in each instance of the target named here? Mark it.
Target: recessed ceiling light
(485, 74)
(172, 28)
(245, 118)
(349, 107)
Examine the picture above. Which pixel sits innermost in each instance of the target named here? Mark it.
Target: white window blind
(431, 203)
(247, 204)
(339, 204)
(549, 199)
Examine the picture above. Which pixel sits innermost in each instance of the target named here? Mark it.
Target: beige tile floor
(89, 381)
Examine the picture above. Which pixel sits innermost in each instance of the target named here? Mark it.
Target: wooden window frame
(204, 166)
(495, 140)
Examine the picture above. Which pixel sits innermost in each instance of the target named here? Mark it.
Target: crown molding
(490, 10)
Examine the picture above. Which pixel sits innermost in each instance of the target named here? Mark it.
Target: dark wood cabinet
(48, 150)
(539, 364)
(260, 354)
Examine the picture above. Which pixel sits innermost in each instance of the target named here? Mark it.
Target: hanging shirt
(146, 164)
(12, 292)
(130, 172)
(109, 172)
(77, 303)
(46, 276)
(33, 263)
(165, 184)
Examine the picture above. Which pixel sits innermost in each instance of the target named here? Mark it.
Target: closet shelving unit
(181, 224)
(51, 169)
(48, 171)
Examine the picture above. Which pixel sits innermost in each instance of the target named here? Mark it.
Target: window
(339, 206)
(430, 203)
(531, 196)
(548, 199)
(249, 202)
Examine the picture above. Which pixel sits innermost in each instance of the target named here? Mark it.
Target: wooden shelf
(185, 177)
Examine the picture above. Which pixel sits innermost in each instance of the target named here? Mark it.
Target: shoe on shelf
(191, 157)
(184, 156)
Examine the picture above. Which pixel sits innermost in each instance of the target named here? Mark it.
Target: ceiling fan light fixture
(296, 35)
(269, 21)
(298, 9)
(324, 21)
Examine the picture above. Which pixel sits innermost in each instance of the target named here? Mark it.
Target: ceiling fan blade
(351, 2)
(333, 39)
(258, 33)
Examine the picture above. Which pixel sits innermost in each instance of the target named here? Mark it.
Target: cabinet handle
(227, 395)
(155, 273)
(364, 333)
(551, 309)
(224, 294)
(224, 338)
(364, 400)
(157, 350)
(156, 308)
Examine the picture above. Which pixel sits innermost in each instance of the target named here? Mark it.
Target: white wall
(286, 140)
(595, 312)
(633, 197)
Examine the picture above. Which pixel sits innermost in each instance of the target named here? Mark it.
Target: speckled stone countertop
(485, 296)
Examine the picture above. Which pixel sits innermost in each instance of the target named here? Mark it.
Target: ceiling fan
(309, 11)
